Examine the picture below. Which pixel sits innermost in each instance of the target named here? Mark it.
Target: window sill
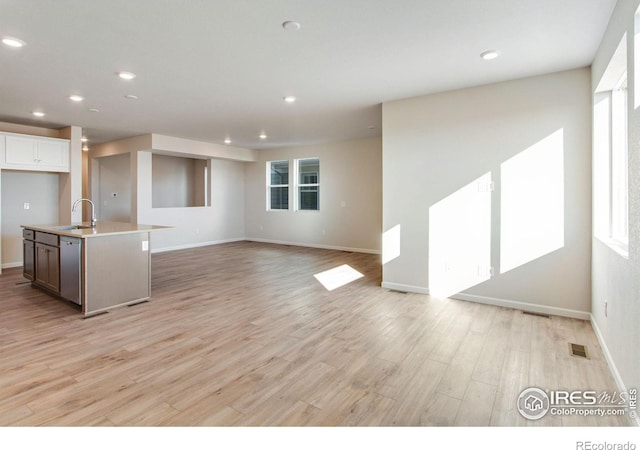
(620, 249)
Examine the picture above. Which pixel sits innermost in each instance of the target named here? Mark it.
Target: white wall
(350, 173)
(223, 221)
(40, 190)
(436, 144)
(616, 279)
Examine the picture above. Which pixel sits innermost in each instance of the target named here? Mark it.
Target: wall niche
(180, 182)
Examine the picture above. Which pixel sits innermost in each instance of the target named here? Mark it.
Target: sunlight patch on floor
(338, 276)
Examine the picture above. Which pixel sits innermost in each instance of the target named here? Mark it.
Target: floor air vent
(531, 313)
(579, 351)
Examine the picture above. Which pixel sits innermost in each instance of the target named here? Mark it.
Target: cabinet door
(52, 153)
(20, 150)
(54, 269)
(28, 248)
(48, 267)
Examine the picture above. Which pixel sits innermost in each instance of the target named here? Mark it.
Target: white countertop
(101, 229)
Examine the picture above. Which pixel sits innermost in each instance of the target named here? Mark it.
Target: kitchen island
(96, 267)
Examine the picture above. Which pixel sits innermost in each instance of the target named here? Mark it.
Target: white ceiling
(210, 69)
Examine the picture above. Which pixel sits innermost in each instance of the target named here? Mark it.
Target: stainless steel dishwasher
(70, 267)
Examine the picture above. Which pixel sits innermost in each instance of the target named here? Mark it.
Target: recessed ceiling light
(126, 75)
(85, 148)
(489, 55)
(263, 135)
(38, 113)
(84, 139)
(227, 141)
(13, 42)
(76, 98)
(291, 25)
(131, 97)
(94, 110)
(289, 99)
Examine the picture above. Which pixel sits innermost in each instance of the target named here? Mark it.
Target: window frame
(270, 186)
(298, 185)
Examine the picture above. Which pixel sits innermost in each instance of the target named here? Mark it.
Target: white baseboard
(326, 247)
(11, 265)
(198, 244)
(405, 288)
(612, 365)
(543, 309)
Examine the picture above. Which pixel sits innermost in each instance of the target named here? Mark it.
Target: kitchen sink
(72, 227)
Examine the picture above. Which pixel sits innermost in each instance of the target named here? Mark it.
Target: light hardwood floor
(242, 334)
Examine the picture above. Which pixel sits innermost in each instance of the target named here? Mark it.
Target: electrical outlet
(145, 246)
(26, 206)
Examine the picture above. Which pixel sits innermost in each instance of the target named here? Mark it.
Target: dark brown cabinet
(28, 250)
(54, 262)
(48, 267)
(43, 263)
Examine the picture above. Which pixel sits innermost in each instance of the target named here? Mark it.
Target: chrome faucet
(93, 209)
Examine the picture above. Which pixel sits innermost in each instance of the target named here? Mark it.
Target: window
(277, 185)
(610, 162)
(619, 229)
(308, 184)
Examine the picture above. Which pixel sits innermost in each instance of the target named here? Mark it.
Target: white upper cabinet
(24, 152)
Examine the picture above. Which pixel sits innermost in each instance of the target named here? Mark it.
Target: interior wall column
(70, 184)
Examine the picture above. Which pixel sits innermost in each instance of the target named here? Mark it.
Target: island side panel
(117, 271)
